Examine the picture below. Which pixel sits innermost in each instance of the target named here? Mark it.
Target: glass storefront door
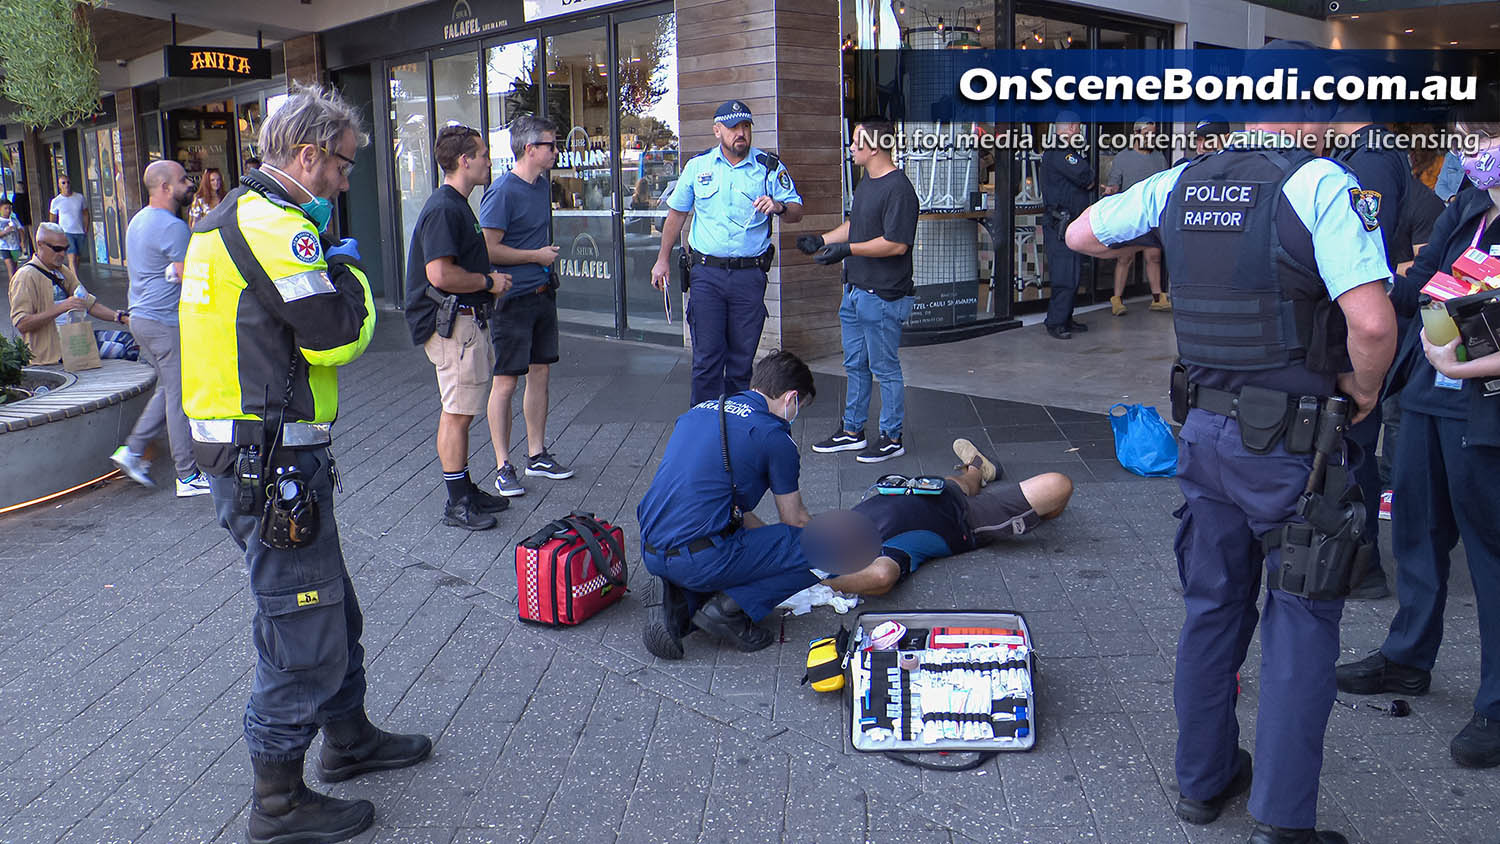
(411, 139)
(583, 220)
(650, 159)
(512, 84)
(456, 98)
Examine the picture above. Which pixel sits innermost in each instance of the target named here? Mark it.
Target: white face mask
(796, 407)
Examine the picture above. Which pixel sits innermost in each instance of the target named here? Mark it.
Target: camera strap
(736, 516)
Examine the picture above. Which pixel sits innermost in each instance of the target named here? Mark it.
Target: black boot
(1207, 811)
(668, 623)
(722, 617)
(1267, 834)
(285, 811)
(353, 746)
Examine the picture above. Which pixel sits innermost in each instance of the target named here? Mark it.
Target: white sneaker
(136, 468)
(196, 485)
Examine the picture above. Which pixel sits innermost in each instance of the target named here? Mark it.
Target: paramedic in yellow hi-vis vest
(270, 309)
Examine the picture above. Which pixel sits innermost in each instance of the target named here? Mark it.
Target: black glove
(810, 243)
(832, 253)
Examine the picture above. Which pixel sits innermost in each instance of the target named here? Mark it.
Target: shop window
(512, 80)
(650, 156)
(456, 99)
(411, 139)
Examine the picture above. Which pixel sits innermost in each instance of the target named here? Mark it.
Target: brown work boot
(1117, 306)
(1160, 302)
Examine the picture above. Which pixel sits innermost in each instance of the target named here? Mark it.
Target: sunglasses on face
(552, 144)
(54, 247)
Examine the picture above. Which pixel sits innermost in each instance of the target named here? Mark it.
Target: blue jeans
(872, 337)
(78, 245)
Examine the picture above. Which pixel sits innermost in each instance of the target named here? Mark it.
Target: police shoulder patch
(305, 247)
(1366, 204)
(784, 180)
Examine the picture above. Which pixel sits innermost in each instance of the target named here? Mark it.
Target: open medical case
(955, 680)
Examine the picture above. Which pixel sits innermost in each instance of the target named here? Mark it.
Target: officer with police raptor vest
(1271, 264)
(269, 310)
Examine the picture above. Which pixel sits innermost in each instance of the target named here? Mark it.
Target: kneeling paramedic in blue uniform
(721, 568)
(1272, 262)
(732, 190)
(269, 311)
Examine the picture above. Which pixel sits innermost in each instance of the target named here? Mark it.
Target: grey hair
(528, 129)
(313, 115)
(50, 227)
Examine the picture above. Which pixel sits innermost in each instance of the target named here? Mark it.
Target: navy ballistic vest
(1242, 301)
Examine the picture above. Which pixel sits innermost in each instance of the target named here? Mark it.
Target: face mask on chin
(318, 209)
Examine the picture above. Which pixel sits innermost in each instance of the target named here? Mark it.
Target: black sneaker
(465, 514)
(1375, 674)
(1267, 834)
(1207, 811)
(1075, 325)
(484, 502)
(545, 465)
(841, 441)
(506, 482)
(722, 617)
(1061, 332)
(1478, 744)
(884, 449)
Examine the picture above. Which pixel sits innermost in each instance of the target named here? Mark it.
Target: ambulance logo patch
(784, 180)
(305, 247)
(1073, 158)
(1366, 204)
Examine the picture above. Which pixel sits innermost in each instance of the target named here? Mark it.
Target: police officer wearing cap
(270, 310)
(1067, 185)
(1281, 306)
(733, 191)
(1209, 135)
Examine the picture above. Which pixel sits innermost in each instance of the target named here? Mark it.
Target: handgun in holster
(684, 267)
(1326, 555)
(447, 311)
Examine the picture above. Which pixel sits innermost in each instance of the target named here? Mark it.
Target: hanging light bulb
(976, 27)
(940, 26)
(901, 7)
(1038, 36)
(1070, 40)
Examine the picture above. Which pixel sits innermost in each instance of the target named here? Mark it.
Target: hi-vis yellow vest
(260, 306)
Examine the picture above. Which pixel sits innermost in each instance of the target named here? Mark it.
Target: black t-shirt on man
(884, 207)
(446, 228)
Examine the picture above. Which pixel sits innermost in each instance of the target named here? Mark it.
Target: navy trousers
(726, 310)
(758, 567)
(1442, 494)
(1062, 273)
(1365, 434)
(309, 663)
(1233, 496)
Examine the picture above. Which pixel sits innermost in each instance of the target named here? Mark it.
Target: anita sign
(217, 62)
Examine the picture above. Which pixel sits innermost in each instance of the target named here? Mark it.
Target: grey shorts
(998, 510)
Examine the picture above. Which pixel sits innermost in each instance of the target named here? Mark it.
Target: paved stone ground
(125, 657)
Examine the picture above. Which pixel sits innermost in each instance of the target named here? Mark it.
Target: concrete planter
(64, 437)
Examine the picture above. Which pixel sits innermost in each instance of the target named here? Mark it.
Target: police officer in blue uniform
(721, 568)
(1271, 264)
(1067, 185)
(1384, 175)
(733, 191)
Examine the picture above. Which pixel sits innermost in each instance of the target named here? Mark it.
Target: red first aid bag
(570, 570)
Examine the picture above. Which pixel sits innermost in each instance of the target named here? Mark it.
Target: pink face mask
(1483, 169)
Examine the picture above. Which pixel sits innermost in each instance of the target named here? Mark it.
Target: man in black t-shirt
(974, 509)
(447, 258)
(877, 241)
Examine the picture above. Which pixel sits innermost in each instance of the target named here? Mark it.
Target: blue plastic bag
(1143, 442)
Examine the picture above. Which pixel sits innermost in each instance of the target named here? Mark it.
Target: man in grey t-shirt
(156, 242)
(1144, 158)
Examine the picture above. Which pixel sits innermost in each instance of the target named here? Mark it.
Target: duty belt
(752, 263)
(243, 431)
(693, 547)
(1226, 403)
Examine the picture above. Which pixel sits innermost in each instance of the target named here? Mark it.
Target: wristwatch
(783, 209)
(489, 283)
(121, 314)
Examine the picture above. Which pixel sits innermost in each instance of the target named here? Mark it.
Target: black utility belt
(757, 262)
(701, 544)
(1266, 416)
(885, 295)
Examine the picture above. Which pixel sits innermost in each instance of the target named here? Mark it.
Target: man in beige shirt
(33, 308)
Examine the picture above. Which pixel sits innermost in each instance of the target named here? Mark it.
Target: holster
(1178, 390)
(447, 311)
(1262, 416)
(1324, 557)
(767, 259)
(684, 267)
(290, 517)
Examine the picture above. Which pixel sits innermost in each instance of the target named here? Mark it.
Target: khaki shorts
(464, 363)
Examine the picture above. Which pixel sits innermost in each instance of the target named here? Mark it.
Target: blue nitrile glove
(348, 248)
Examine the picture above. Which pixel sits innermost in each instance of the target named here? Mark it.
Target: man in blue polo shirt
(721, 568)
(733, 190)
